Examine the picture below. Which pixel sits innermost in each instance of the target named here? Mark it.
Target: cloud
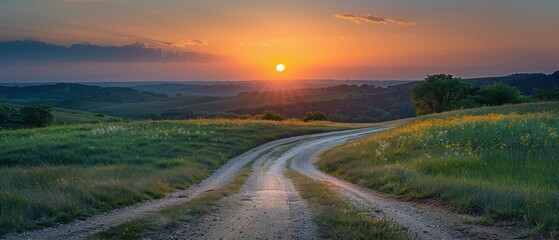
(36, 51)
(368, 18)
(187, 43)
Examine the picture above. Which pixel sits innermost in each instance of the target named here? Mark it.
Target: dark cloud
(368, 18)
(37, 51)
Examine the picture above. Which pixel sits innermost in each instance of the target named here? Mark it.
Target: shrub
(272, 116)
(37, 116)
(499, 94)
(315, 116)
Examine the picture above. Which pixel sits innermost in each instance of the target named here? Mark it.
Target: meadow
(57, 174)
(498, 163)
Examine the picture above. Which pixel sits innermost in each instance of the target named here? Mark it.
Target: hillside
(348, 102)
(75, 96)
(507, 175)
(524, 82)
(62, 116)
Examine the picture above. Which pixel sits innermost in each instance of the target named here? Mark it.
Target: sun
(280, 67)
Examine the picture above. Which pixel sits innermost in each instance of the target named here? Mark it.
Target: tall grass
(501, 163)
(57, 174)
(172, 217)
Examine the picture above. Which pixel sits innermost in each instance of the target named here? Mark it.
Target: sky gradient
(315, 39)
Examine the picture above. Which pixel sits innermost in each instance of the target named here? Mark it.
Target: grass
(172, 217)
(61, 173)
(338, 219)
(500, 163)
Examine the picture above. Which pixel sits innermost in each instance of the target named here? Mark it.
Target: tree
(439, 93)
(498, 94)
(4, 114)
(272, 116)
(315, 116)
(37, 116)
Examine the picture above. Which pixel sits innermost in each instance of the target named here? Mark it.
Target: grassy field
(500, 163)
(61, 173)
(172, 217)
(338, 219)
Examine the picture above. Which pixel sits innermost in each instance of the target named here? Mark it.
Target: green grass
(67, 116)
(172, 217)
(500, 163)
(336, 218)
(61, 173)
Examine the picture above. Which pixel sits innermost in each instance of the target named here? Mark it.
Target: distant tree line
(363, 103)
(444, 92)
(266, 115)
(28, 116)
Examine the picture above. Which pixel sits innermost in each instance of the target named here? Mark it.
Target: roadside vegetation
(172, 217)
(499, 163)
(338, 219)
(57, 174)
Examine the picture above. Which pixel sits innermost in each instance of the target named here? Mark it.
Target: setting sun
(280, 67)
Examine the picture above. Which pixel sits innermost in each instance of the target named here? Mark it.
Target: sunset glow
(328, 39)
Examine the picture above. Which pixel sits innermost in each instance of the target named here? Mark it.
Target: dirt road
(268, 206)
(92, 225)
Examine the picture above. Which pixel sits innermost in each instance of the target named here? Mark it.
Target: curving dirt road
(269, 207)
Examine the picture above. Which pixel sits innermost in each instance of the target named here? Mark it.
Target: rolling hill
(525, 82)
(62, 116)
(173, 100)
(72, 95)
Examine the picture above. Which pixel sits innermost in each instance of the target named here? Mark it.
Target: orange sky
(329, 39)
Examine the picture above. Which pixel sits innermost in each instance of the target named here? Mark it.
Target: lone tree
(37, 116)
(315, 116)
(439, 93)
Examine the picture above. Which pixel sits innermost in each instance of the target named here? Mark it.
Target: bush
(499, 94)
(315, 116)
(272, 116)
(4, 114)
(37, 116)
